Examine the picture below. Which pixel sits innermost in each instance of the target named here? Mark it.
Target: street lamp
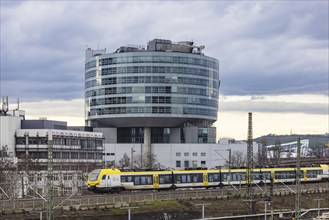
(132, 158)
(229, 160)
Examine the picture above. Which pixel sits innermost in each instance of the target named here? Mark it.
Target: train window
(129, 178)
(94, 175)
(313, 173)
(148, 180)
(143, 180)
(285, 174)
(196, 178)
(199, 177)
(137, 180)
(183, 178)
(266, 175)
(104, 177)
(237, 176)
(178, 179)
(165, 179)
(213, 177)
(123, 179)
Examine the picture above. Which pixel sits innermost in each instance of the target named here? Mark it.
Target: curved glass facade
(141, 87)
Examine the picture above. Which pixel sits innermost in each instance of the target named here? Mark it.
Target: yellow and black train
(114, 180)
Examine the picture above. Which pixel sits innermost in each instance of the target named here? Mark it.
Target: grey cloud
(274, 107)
(263, 47)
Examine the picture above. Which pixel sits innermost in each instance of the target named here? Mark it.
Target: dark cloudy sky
(273, 54)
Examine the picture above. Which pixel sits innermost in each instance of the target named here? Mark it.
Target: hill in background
(321, 140)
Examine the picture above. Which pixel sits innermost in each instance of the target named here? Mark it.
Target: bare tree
(319, 149)
(238, 159)
(276, 156)
(7, 174)
(142, 162)
(28, 164)
(262, 157)
(124, 162)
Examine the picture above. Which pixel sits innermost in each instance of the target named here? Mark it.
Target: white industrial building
(289, 150)
(180, 156)
(72, 148)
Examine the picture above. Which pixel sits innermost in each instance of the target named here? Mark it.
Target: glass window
(195, 154)
(186, 154)
(183, 178)
(178, 154)
(203, 154)
(178, 163)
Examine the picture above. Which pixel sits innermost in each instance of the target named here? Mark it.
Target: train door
(304, 173)
(105, 181)
(155, 181)
(114, 181)
(205, 179)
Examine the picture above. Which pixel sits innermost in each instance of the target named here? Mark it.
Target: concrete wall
(191, 134)
(110, 134)
(8, 126)
(175, 135)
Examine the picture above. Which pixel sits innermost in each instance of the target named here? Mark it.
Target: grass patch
(119, 211)
(160, 205)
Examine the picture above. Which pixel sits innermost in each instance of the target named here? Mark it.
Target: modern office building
(165, 94)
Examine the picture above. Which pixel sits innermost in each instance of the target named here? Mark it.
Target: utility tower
(298, 175)
(249, 154)
(50, 178)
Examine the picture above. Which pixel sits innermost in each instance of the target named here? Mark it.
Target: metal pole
(132, 158)
(319, 201)
(141, 155)
(202, 212)
(229, 163)
(229, 159)
(298, 176)
(249, 154)
(318, 207)
(265, 217)
(128, 213)
(50, 178)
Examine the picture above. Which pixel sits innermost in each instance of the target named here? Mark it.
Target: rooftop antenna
(5, 103)
(17, 103)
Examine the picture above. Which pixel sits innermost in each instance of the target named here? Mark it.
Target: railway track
(139, 197)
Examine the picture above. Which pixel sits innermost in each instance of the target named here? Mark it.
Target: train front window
(94, 175)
